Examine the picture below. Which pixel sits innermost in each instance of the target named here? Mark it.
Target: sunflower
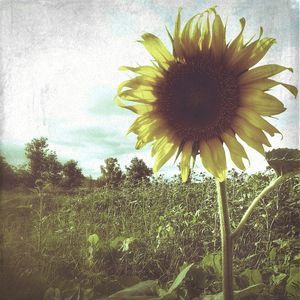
(199, 98)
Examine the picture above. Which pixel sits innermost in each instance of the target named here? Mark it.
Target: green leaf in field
(248, 291)
(213, 261)
(180, 277)
(240, 294)
(277, 279)
(253, 276)
(292, 287)
(297, 256)
(93, 239)
(272, 254)
(126, 243)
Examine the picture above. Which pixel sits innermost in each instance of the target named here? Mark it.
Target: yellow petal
(256, 120)
(237, 151)
(213, 158)
(233, 48)
(243, 133)
(177, 47)
(250, 130)
(157, 49)
(205, 39)
(189, 43)
(150, 71)
(265, 84)
(218, 42)
(138, 108)
(142, 120)
(138, 95)
(141, 81)
(263, 103)
(164, 152)
(242, 54)
(261, 73)
(185, 160)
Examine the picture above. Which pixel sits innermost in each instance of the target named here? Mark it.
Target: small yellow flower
(202, 96)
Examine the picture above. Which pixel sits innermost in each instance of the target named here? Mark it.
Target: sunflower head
(203, 95)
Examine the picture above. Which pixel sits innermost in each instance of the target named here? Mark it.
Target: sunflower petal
(251, 131)
(248, 136)
(138, 108)
(237, 151)
(256, 120)
(189, 43)
(157, 49)
(218, 42)
(261, 73)
(260, 50)
(150, 71)
(213, 158)
(263, 103)
(265, 84)
(185, 160)
(177, 47)
(233, 48)
(205, 36)
(165, 151)
(138, 95)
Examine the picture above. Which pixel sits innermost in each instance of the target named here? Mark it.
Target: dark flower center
(198, 99)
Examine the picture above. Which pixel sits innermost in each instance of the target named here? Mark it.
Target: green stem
(226, 239)
(274, 183)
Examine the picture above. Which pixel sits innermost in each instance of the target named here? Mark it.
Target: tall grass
(146, 230)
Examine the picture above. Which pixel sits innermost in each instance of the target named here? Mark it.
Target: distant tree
(43, 164)
(8, 176)
(72, 174)
(24, 177)
(111, 173)
(54, 169)
(138, 171)
(36, 152)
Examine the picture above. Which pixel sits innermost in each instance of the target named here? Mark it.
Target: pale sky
(59, 71)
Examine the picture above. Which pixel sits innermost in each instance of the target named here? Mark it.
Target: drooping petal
(265, 84)
(233, 48)
(263, 103)
(213, 158)
(137, 108)
(138, 95)
(150, 71)
(164, 152)
(259, 51)
(256, 120)
(185, 160)
(237, 151)
(242, 55)
(251, 131)
(157, 49)
(244, 135)
(261, 73)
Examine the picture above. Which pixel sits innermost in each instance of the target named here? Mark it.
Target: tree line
(44, 166)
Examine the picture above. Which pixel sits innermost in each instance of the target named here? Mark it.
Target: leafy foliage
(96, 243)
(72, 174)
(111, 173)
(138, 171)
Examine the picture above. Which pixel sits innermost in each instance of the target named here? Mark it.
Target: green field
(90, 243)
